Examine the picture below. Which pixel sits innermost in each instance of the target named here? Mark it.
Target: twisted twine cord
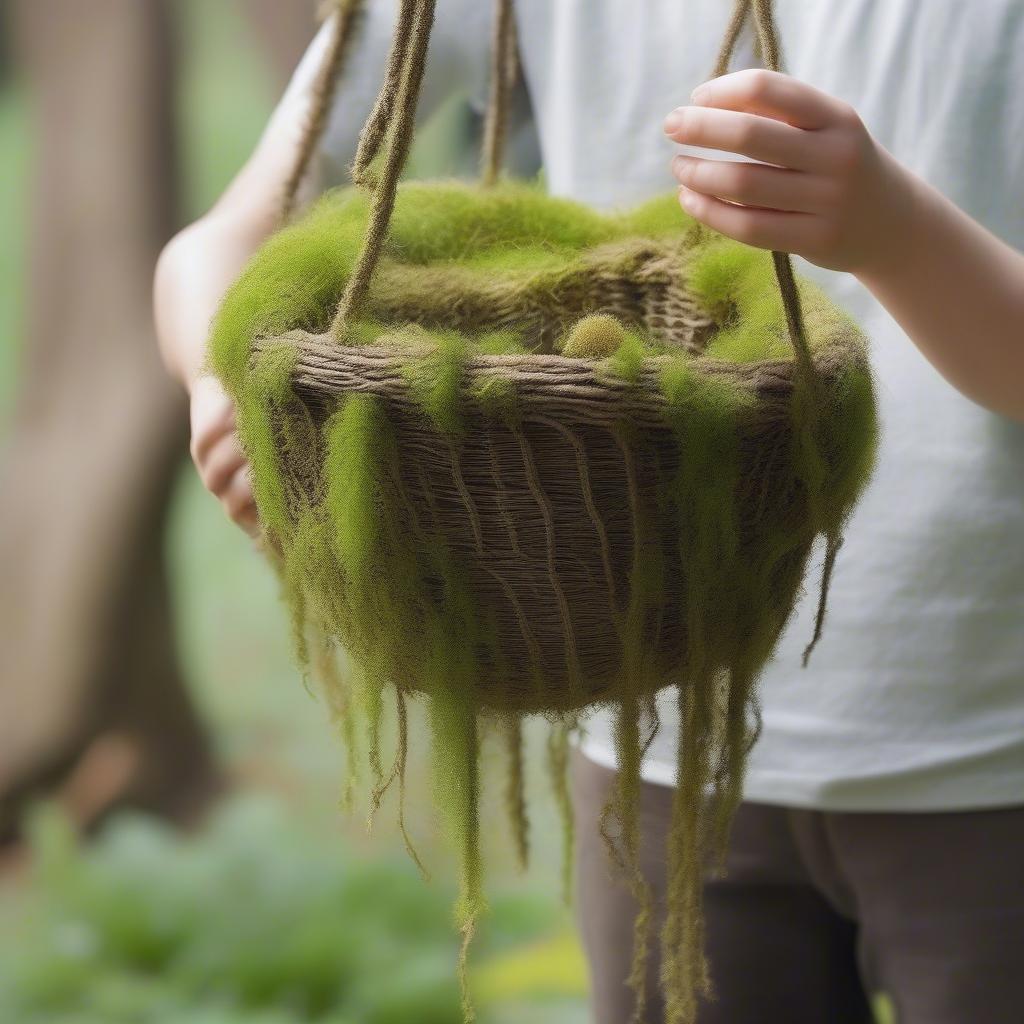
(375, 129)
(347, 12)
(768, 41)
(733, 30)
(504, 70)
(767, 34)
(415, 21)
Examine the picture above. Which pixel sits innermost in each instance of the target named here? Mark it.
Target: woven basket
(540, 512)
(524, 528)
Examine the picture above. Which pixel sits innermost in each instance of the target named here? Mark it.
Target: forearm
(958, 292)
(202, 261)
(195, 270)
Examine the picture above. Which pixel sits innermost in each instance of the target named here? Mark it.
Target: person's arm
(194, 271)
(824, 189)
(200, 264)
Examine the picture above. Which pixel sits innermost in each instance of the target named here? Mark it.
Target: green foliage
(247, 917)
(253, 922)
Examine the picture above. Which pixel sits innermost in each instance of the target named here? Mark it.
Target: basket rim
(326, 371)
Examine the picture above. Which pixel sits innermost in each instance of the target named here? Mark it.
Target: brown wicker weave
(540, 513)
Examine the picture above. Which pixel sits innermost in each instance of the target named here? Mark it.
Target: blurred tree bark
(284, 28)
(92, 700)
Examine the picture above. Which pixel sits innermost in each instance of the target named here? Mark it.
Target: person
(879, 843)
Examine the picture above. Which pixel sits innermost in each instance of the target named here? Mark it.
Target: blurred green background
(280, 909)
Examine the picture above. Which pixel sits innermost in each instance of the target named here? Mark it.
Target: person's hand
(218, 453)
(821, 186)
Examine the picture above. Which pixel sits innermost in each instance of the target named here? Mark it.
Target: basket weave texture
(548, 498)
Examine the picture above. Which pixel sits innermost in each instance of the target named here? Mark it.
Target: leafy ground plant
(251, 922)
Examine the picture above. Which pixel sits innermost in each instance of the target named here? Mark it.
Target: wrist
(900, 223)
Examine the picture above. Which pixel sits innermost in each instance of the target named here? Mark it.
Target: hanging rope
(504, 71)
(392, 119)
(833, 542)
(737, 20)
(415, 22)
(321, 99)
(768, 42)
(376, 126)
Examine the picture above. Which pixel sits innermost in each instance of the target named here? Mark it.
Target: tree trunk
(98, 434)
(284, 29)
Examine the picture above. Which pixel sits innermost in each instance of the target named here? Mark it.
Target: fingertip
(680, 165)
(243, 514)
(250, 522)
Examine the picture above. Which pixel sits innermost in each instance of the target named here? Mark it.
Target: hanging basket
(518, 457)
(580, 521)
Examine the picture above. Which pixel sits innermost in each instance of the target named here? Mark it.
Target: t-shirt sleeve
(456, 65)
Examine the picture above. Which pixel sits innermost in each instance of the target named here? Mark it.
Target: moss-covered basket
(560, 460)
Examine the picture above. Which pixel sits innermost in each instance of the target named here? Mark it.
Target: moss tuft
(594, 337)
(627, 361)
(497, 397)
(436, 382)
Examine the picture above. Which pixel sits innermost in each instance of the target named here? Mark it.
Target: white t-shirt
(914, 699)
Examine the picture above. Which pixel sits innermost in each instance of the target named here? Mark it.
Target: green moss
(500, 343)
(594, 337)
(456, 221)
(351, 474)
(366, 332)
(497, 397)
(261, 405)
(292, 282)
(436, 382)
(520, 261)
(659, 218)
(627, 361)
(722, 273)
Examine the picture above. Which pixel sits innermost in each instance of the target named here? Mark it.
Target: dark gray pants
(817, 908)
